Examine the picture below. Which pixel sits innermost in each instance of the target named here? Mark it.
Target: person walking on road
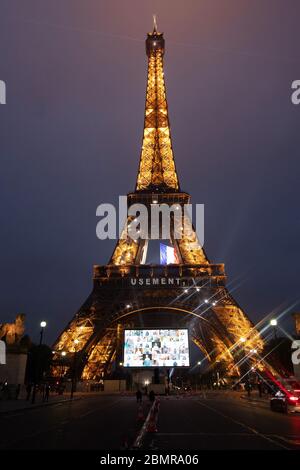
(260, 388)
(47, 393)
(139, 396)
(151, 396)
(28, 391)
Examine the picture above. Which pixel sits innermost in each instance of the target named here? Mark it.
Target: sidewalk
(254, 397)
(240, 395)
(9, 406)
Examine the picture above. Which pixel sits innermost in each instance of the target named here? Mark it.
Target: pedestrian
(260, 387)
(151, 396)
(47, 392)
(28, 391)
(18, 389)
(138, 396)
(42, 389)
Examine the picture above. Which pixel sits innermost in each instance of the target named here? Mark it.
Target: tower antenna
(154, 24)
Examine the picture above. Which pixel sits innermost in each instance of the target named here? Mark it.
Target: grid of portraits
(156, 348)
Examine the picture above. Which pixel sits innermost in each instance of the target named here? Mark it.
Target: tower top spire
(157, 170)
(155, 40)
(154, 24)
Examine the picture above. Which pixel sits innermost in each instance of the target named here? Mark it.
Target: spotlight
(273, 322)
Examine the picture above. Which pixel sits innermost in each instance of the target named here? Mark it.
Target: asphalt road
(222, 422)
(211, 421)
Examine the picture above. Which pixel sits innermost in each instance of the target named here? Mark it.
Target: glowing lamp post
(244, 367)
(74, 375)
(43, 325)
(273, 323)
(198, 364)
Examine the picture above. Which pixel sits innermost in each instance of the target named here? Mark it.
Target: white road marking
(254, 431)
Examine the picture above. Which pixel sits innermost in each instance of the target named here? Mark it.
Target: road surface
(215, 420)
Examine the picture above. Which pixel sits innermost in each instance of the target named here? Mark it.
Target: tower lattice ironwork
(128, 292)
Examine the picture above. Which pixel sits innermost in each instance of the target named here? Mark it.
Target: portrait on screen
(156, 348)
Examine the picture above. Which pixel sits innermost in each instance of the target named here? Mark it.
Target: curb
(258, 401)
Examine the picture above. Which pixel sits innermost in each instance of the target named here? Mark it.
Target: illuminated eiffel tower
(128, 292)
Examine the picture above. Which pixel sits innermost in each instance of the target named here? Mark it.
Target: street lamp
(244, 367)
(273, 323)
(43, 325)
(74, 375)
(62, 366)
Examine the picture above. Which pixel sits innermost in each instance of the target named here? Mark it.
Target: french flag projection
(168, 254)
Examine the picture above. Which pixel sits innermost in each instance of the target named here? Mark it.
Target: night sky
(70, 137)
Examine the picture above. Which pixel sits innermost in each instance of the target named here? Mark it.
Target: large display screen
(156, 348)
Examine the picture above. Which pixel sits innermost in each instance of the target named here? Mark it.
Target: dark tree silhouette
(278, 351)
(38, 363)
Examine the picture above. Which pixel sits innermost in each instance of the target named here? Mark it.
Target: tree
(38, 363)
(278, 355)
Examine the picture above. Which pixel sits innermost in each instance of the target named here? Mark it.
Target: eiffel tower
(127, 292)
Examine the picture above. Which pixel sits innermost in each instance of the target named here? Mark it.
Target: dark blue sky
(70, 137)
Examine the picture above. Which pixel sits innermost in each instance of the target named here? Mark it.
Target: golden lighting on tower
(157, 167)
